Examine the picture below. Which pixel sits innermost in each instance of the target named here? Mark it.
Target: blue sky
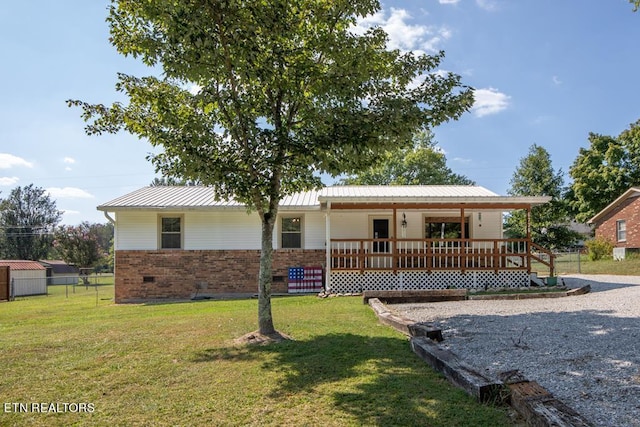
(545, 71)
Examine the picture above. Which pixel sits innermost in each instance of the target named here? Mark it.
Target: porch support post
(327, 270)
(529, 248)
(394, 248)
(462, 249)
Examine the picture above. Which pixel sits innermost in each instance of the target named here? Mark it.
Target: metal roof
(159, 197)
(192, 197)
(377, 192)
(22, 265)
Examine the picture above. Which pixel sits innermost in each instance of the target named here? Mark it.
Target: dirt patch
(256, 338)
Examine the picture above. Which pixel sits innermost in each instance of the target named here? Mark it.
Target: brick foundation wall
(629, 211)
(151, 275)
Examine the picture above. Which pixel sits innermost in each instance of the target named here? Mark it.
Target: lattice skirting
(355, 282)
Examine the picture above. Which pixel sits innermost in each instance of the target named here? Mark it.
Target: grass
(569, 264)
(176, 364)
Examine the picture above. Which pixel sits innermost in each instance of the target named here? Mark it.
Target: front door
(380, 231)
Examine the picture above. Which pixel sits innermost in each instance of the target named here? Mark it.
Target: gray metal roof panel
(193, 197)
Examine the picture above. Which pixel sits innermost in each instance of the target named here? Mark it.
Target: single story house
(60, 273)
(176, 242)
(26, 277)
(619, 223)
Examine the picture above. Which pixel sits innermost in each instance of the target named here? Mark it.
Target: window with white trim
(291, 232)
(621, 230)
(170, 232)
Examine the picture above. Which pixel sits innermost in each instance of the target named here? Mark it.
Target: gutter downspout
(115, 241)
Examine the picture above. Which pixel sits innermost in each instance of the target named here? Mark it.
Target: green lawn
(569, 264)
(176, 364)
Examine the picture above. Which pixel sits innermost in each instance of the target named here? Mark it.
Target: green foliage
(27, 220)
(421, 164)
(604, 171)
(256, 98)
(535, 176)
(78, 245)
(599, 248)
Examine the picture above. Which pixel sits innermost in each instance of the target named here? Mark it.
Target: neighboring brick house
(180, 242)
(619, 222)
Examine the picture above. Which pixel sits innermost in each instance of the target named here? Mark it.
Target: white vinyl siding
(232, 229)
(488, 227)
(137, 230)
(314, 230)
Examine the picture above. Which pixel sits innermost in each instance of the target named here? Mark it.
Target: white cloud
(556, 80)
(194, 89)
(8, 161)
(402, 35)
(6, 181)
(69, 160)
(489, 101)
(448, 1)
(68, 193)
(461, 160)
(487, 4)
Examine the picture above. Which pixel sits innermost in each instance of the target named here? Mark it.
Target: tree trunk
(265, 319)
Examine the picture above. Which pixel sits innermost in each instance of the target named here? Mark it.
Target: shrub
(599, 248)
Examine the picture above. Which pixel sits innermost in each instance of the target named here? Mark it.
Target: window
(292, 232)
(445, 228)
(621, 230)
(171, 233)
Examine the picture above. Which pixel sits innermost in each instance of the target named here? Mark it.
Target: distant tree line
(30, 230)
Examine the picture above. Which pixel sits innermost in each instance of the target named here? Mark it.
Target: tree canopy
(256, 98)
(28, 218)
(79, 245)
(604, 170)
(535, 176)
(422, 163)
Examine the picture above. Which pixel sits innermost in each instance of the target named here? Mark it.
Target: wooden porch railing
(435, 254)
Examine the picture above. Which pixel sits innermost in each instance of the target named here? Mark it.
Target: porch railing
(434, 254)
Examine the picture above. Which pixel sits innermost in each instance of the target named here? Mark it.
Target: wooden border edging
(457, 372)
(537, 405)
(416, 295)
(402, 324)
(571, 292)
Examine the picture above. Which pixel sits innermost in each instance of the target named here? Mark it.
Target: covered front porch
(403, 243)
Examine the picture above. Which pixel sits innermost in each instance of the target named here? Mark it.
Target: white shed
(26, 277)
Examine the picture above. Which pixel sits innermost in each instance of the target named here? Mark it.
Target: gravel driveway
(584, 349)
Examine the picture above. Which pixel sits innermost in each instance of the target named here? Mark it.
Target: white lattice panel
(356, 282)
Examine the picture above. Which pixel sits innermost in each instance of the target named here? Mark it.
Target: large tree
(257, 97)
(421, 163)
(604, 171)
(28, 217)
(535, 176)
(79, 245)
